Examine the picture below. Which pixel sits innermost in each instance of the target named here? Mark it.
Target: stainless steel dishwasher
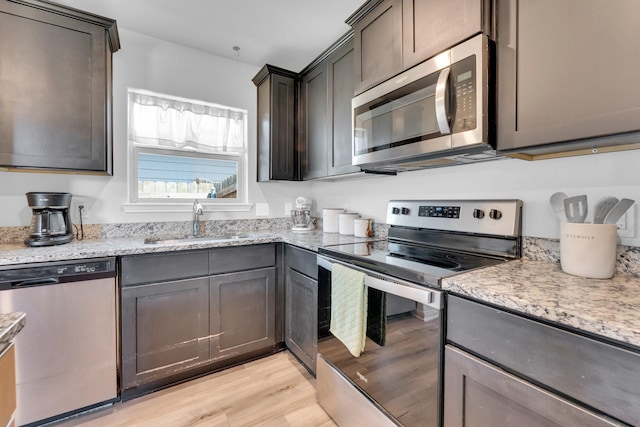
(66, 354)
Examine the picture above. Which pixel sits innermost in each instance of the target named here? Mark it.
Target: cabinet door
(378, 45)
(242, 312)
(277, 151)
(431, 26)
(168, 324)
(54, 105)
(566, 71)
(477, 394)
(341, 90)
(301, 317)
(315, 122)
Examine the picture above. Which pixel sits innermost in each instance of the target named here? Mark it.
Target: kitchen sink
(154, 240)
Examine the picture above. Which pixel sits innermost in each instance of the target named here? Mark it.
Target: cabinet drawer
(238, 258)
(163, 266)
(7, 384)
(600, 375)
(302, 261)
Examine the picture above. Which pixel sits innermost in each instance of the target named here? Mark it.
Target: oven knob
(495, 214)
(478, 213)
(405, 211)
(395, 211)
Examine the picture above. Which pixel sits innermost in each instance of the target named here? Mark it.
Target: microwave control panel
(463, 83)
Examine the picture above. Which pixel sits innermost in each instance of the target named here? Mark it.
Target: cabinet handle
(441, 107)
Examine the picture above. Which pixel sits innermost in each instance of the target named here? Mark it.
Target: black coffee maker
(51, 220)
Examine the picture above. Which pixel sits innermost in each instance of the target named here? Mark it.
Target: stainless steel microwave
(437, 113)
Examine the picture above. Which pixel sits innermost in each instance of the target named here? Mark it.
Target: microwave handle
(441, 105)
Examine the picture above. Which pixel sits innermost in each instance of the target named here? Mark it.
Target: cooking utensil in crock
(603, 207)
(557, 203)
(618, 210)
(576, 208)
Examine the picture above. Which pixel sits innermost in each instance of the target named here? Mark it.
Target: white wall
(149, 63)
(598, 175)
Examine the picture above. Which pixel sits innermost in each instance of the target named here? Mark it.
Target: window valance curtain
(172, 123)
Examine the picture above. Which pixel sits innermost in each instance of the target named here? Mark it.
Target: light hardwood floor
(273, 391)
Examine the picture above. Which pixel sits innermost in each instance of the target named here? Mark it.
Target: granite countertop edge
(10, 325)
(607, 308)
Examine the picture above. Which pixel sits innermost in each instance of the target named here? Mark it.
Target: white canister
(363, 227)
(330, 219)
(345, 223)
(588, 250)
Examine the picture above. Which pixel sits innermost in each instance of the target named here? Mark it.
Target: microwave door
(403, 123)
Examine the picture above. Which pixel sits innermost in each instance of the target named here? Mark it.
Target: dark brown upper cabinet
(55, 88)
(394, 35)
(327, 86)
(567, 77)
(378, 43)
(278, 157)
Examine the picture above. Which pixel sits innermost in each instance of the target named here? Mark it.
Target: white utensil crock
(330, 219)
(588, 250)
(362, 227)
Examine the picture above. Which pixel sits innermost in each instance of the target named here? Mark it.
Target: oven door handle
(406, 290)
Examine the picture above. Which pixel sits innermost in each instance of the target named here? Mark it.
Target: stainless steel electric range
(397, 378)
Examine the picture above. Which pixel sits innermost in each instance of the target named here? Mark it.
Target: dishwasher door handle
(35, 282)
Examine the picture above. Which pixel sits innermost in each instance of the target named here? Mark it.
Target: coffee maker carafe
(51, 220)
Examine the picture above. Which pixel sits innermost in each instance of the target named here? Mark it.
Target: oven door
(436, 106)
(399, 369)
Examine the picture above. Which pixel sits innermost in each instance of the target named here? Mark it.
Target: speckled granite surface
(610, 308)
(10, 325)
(17, 253)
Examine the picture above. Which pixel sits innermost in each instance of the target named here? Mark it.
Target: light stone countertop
(18, 253)
(10, 325)
(608, 308)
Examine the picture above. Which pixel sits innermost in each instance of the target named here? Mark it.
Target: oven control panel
(439, 211)
(497, 217)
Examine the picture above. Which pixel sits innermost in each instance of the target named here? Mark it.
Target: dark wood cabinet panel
(55, 90)
(277, 147)
(378, 45)
(167, 329)
(174, 329)
(327, 88)
(341, 88)
(598, 106)
(478, 394)
(301, 302)
(565, 363)
(242, 312)
(431, 26)
(315, 122)
(301, 330)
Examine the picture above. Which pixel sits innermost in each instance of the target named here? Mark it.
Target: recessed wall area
(149, 63)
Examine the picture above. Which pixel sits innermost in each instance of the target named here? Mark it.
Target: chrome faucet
(197, 211)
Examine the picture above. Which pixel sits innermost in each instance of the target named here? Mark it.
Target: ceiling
(286, 33)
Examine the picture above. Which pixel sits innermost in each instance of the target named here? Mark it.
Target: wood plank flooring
(273, 391)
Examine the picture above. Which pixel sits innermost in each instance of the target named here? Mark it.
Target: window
(182, 149)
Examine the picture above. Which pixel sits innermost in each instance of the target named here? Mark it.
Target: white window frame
(137, 204)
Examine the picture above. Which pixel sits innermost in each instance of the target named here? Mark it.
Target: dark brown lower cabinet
(242, 312)
(478, 394)
(168, 327)
(174, 328)
(301, 305)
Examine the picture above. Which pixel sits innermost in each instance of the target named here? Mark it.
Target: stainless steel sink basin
(154, 240)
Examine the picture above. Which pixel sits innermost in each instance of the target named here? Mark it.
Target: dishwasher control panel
(51, 273)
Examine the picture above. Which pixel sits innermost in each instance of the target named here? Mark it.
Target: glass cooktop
(417, 264)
